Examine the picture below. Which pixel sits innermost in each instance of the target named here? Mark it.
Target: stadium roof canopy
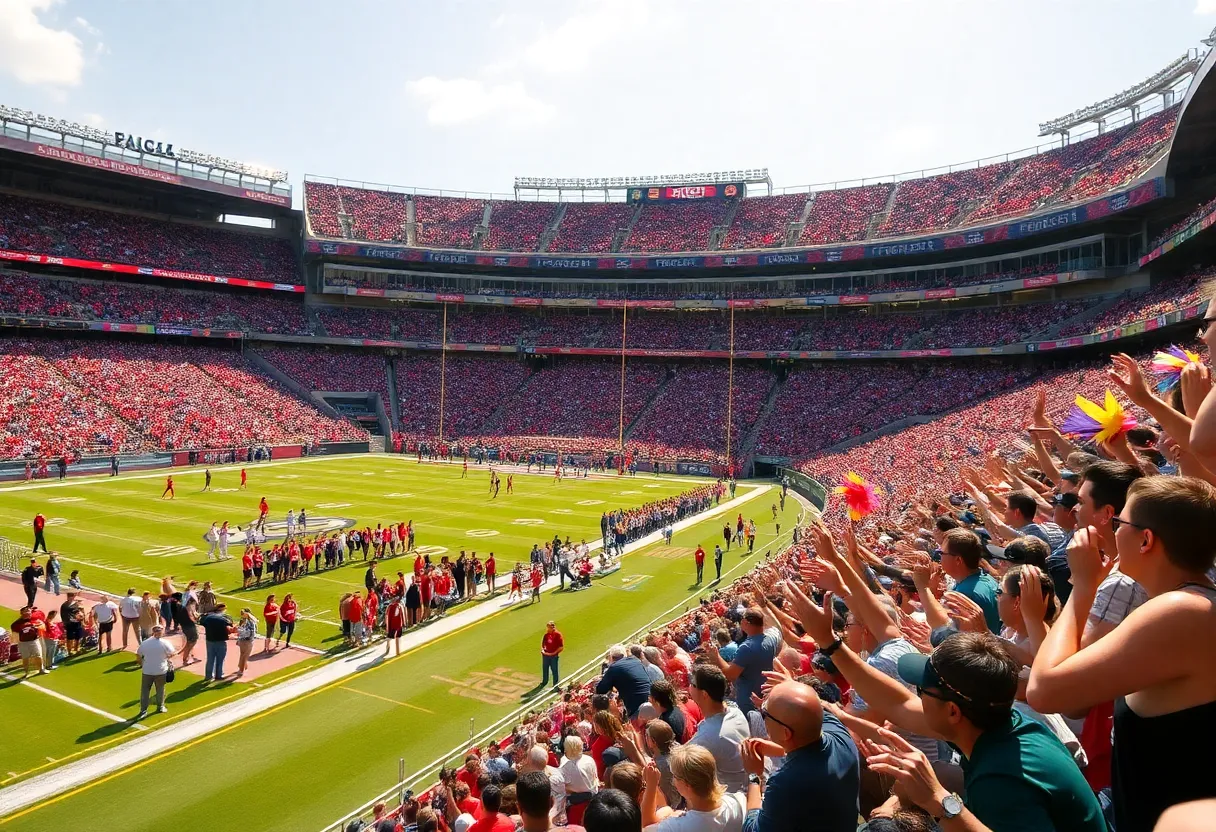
(1164, 81)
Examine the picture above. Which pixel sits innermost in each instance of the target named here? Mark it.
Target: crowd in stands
(447, 222)
(474, 387)
(518, 226)
(937, 202)
(1140, 144)
(94, 300)
(844, 215)
(62, 230)
(591, 226)
(331, 369)
(1199, 213)
(73, 397)
(689, 418)
(1018, 637)
(676, 226)
(1165, 296)
(762, 221)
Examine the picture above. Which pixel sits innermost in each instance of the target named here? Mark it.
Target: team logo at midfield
(277, 529)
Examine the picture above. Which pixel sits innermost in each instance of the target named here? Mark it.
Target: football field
(317, 756)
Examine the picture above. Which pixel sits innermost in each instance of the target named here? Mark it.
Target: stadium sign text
(141, 145)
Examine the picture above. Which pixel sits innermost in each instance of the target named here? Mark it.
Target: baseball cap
(1066, 500)
(1071, 476)
(1021, 550)
(462, 823)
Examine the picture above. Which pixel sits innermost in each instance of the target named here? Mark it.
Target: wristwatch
(755, 780)
(831, 648)
(952, 807)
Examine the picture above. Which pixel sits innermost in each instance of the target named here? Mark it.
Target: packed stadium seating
(689, 417)
(577, 398)
(474, 386)
(676, 226)
(95, 300)
(322, 205)
(1198, 213)
(1165, 296)
(761, 221)
(937, 202)
(1140, 144)
(518, 226)
(86, 395)
(331, 369)
(591, 226)
(447, 222)
(63, 230)
(844, 215)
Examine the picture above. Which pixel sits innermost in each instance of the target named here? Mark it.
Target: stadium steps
(482, 230)
(135, 432)
(877, 219)
(314, 321)
(550, 232)
(649, 406)
(490, 425)
(260, 365)
(793, 231)
(622, 236)
(394, 401)
(964, 216)
(753, 436)
(718, 233)
(1088, 314)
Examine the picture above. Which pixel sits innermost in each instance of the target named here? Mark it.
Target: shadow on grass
(105, 731)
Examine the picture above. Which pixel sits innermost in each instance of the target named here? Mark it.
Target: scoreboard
(669, 193)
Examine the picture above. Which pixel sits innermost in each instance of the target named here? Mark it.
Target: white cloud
(88, 27)
(95, 120)
(451, 101)
(34, 53)
(1205, 6)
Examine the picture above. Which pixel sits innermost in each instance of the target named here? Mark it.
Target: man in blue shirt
(628, 677)
(816, 788)
(961, 553)
(752, 660)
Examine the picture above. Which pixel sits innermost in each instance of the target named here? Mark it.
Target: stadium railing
(395, 796)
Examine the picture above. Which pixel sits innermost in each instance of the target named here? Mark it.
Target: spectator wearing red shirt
(491, 571)
(468, 775)
(287, 619)
(551, 646)
(29, 641)
(538, 578)
(246, 569)
(699, 555)
(492, 820)
(355, 613)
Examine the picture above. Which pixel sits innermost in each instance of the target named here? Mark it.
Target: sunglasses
(764, 713)
(1117, 522)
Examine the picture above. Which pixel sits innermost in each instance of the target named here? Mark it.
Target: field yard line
(61, 783)
(386, 699)
(57, 695)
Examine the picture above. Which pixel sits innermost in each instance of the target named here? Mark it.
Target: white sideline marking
(81, 771)
(57, 695)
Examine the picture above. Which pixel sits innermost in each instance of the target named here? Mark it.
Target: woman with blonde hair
(578, 773)
(710, 807)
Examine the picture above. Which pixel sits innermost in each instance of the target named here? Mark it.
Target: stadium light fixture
(599, 183)
(1160, 81)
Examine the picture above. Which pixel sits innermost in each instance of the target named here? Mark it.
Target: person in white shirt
(105, 613)
(291, 522)
(578, 773)
(223, 538)
(711, 808)
(213, 538)
(128, 608)
(155, 658)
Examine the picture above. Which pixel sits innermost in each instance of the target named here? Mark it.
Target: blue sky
(468, 94)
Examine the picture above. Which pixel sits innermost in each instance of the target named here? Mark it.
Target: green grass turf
(108, 682)
(344, 741)
(120, 534)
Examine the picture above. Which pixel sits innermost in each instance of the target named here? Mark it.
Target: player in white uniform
(212, 537)
(223, 539)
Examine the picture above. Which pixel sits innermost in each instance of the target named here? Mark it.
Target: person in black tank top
(1156, 665)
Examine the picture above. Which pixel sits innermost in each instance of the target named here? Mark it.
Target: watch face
(952, 805)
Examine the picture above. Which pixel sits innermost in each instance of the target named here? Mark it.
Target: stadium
(636, 360)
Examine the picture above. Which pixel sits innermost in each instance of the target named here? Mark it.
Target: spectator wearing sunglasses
(817, 785)
(1016, 774)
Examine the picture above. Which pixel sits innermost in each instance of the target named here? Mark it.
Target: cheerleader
(517, 584)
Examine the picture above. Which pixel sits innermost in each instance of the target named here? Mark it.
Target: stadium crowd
(63, 230)
(1081, 170)
(1017, 638)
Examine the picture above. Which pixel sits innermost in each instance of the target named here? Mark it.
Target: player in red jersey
(510, 483)
(465, 471)
(517, 589)
(244, 479)
(394, 623)
(538, 578)
(491, 569)
(263, 511)
(270, 615)
(246, 569)
(168, 487)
